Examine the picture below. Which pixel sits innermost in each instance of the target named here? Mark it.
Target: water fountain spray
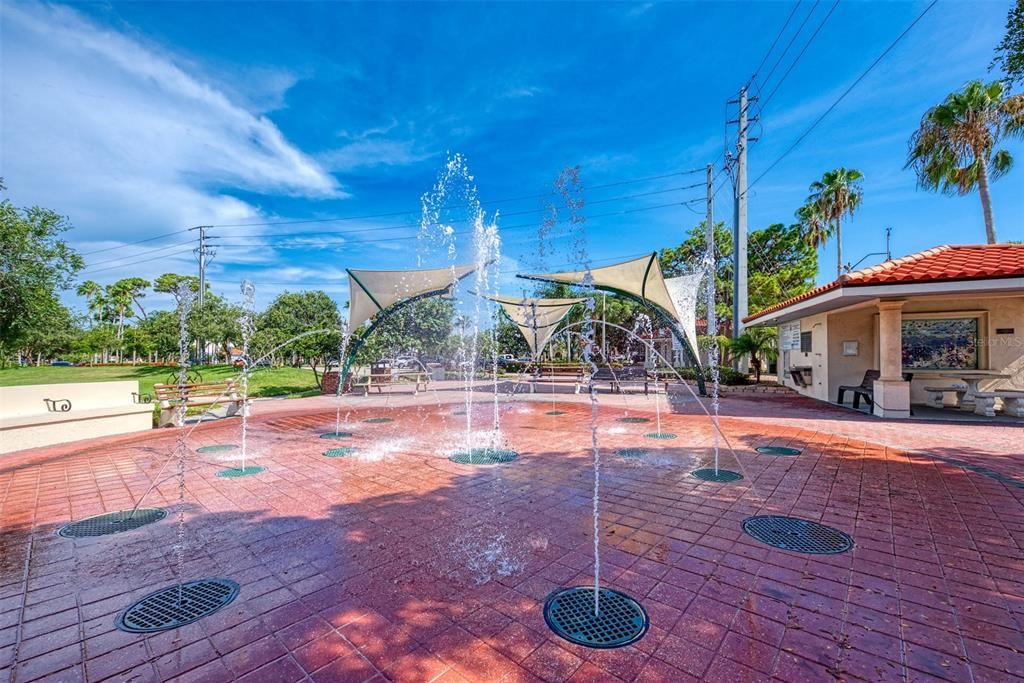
(185, 297)
(247, 322)
(710, 263)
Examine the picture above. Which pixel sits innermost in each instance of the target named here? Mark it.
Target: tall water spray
(710, 268)
(184, 297)
(454, 200)
(247, 323)
(343, 340)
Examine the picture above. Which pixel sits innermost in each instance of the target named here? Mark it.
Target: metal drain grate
(232, 472)
(112, 523)
(632, 452)
(777, 450)
(377, 420)
(177, 605)
(569, 612)
(339, 452)
(633, 420)
(484, 456)
(798, 535)
(555, 412)
(721, 476)
(335, 435)
(217, 448)
(659, 435)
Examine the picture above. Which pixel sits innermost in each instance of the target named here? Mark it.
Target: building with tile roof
(945, 316)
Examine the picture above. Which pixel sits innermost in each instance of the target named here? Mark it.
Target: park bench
(619, 380)
(866, 388)
(45, 414)
(937, 395)
(985, 403)
(559, 374)
(171, 396)
(382, 375)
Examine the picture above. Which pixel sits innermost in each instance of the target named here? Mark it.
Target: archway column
(891, 391)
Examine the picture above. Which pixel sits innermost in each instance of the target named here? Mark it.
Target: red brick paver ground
(400, 565)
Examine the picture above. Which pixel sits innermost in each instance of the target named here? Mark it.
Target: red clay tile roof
(940, 264)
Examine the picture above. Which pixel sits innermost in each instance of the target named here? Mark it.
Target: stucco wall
(1000, 352)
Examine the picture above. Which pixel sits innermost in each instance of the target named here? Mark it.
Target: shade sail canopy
(373, 291)
(640, 278)
(537, 319)
(684, 291)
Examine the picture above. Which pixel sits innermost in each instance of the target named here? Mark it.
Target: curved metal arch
(664, 318)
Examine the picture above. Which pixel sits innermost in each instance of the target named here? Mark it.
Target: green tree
(423, 327)
(306, 323)
(1010, 51)
(160, 329)
(955, 148)
(838, 194)
(50, 331)
(759, 344)
(35, 265)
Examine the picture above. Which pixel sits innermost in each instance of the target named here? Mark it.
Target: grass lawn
(286, 381)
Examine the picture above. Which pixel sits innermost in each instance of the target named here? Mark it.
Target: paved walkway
(396, 564)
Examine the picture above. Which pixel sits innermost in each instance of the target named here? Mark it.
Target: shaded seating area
(383, 375)
(866, 389)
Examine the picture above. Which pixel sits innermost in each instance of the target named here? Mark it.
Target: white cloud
(115, 134)
(373, 152)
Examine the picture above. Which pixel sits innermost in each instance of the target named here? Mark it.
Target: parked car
(60, 364)
(261, 363)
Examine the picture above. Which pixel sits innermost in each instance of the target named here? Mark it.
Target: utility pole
(739, 234)
(203, 252)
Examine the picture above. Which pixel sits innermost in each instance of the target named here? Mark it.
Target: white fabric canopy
(372, 291)
(640, 277)
(537, 319)
(684, 292)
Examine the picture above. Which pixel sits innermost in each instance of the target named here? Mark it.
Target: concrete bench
(171, 396)
(936, 395)
(46, 414)
(985, 403)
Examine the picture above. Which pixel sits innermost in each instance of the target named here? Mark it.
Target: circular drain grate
(232, 472)
(777, 450)
(339, 452)
(377, 420)
(217, 448)
(569, 612)
(112, 523)
(660, 435)
(631, 452)
(798, 535)
(484, 456)
(633, 420)
(335, 435)
(721, 476)
(555, 412)
(177, 605)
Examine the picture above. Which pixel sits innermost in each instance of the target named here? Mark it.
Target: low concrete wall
(97, 409)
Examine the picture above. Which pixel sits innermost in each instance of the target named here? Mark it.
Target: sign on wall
(789, 336)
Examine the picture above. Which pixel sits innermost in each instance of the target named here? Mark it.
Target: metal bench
(985, 403)
(618, 380)
(172, 396)
(413, 378)
(865, 389)
(559, 374)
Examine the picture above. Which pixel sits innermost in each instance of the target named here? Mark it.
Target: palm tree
(836, 195)
(954, 150)
(758, 343)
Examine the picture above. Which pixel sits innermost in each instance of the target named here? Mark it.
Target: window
(940, 343)
(805, 342)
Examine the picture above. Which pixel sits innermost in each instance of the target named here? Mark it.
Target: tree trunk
(839, 248)
(986, 199)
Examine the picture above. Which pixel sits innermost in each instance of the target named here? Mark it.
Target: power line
(774, 42)
(763, 103)
(785, 50)
(132, 263)
(130, 244)
(414, 211)
(845, 93)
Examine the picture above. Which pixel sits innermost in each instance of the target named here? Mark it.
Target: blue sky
(139, 119)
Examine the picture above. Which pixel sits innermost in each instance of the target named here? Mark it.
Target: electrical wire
(774, 43)
(130, 244)
(785, 50)
(846, 92)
